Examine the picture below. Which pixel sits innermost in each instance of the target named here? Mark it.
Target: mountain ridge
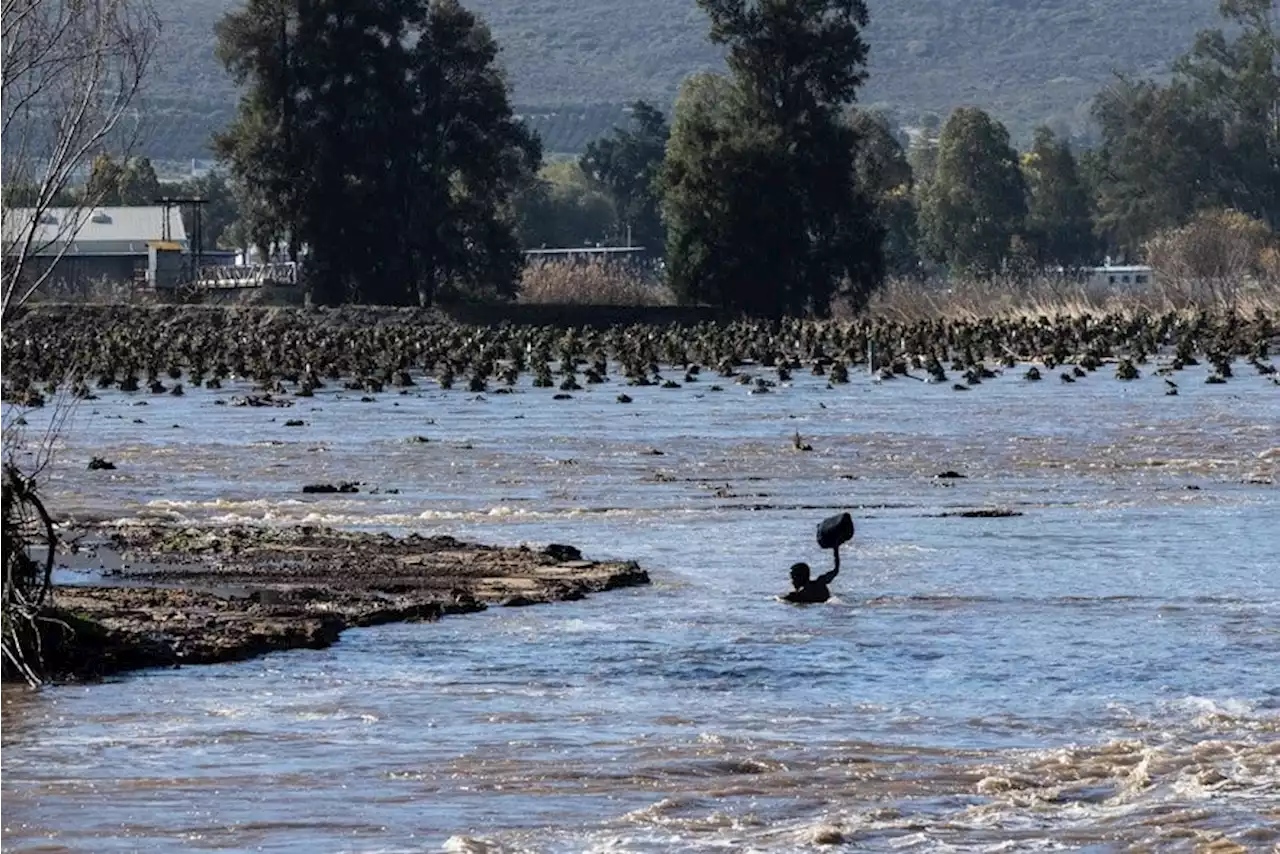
(1025, 61)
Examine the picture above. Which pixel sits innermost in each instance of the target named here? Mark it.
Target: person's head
(799, 574)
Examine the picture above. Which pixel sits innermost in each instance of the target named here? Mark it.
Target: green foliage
(1151, 170)
(561, 208)
(103, 186)
(1237, 84)
(1208, 139)
(1059, 222)
(379, 136)
(218, 214)
(759, 186)
(131, 183)
(976, 204)
(884, 174)
(721, 231)
(626, 165)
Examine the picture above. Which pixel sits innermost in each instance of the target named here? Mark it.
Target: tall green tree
(1059, 222)
(1155, 164)
(976, 204)
(469, 158)
(261, 46)
(725, 205)
(1237, 84)
(884, 174)
(377, 136)
(759, 187)
(103, 186)
(626, 165)
(131, 182)
(353, 218)
(138, 182)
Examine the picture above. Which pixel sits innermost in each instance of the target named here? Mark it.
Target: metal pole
(199, 228)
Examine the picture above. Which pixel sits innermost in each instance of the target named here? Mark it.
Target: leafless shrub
(30, 541)
(1222, 258)
(71, 71)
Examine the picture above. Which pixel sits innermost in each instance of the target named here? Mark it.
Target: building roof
(1122, 268)
(589, 250)
(102, 231)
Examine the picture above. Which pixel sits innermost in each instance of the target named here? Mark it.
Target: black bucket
(835, 531)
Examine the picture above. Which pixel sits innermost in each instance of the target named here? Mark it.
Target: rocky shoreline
(174, 596)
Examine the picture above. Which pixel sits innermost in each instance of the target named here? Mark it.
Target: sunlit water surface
(1099, 673)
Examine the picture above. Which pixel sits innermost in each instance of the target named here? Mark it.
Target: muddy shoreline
(172, 596)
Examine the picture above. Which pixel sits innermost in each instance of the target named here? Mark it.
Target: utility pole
(196, 241)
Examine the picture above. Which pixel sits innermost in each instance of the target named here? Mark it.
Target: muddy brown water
(1099, 673)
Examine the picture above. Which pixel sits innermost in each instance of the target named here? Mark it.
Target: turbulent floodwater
(1099, 673)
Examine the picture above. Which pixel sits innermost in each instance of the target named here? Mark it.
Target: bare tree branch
(71, 72)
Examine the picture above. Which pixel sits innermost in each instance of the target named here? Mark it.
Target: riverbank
(176, 596)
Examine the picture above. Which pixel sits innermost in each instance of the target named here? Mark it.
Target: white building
(1119, 275)
(96, 244)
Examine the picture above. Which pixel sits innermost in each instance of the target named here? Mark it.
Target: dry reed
(968, 299)
(591, 282)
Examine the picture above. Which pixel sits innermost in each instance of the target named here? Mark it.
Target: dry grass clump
(591, 282)
(101, 289)
(967, 299)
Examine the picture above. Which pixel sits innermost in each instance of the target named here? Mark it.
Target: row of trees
(959, 195)
(959, 198)
(378, 139)
(379, 136)
(1210, 138)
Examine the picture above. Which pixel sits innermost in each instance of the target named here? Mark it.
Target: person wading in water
(833, 532)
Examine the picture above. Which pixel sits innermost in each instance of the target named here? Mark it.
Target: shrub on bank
(1218, 245)
(1220, 258)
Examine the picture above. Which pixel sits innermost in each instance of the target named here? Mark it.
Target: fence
(233, 276)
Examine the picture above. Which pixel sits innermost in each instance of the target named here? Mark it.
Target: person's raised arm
(828, 577)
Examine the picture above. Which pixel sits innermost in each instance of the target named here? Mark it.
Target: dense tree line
(1210, 138)
(378, 140)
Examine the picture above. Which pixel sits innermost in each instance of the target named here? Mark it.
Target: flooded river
(1100, 672)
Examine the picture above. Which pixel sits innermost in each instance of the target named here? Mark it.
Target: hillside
(1027, 61)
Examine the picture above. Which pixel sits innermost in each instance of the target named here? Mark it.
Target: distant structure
(114, 244)
(588, 252)
(144, 246)
(1119, 274)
